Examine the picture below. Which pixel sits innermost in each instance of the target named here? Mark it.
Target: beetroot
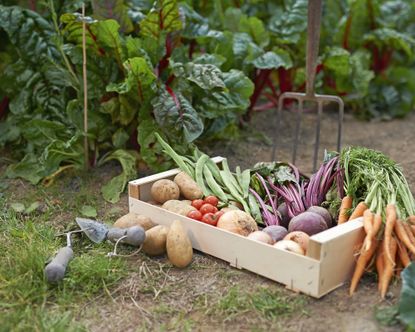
(276, 232)
(307, 222)
(322, 212)
(285, 218)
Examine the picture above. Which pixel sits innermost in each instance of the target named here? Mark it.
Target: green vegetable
(407, 298)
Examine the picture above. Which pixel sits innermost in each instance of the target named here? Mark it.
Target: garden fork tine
(313, 36)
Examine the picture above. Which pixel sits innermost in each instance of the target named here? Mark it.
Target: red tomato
(219, 214)
(210, 218)
(208, 208)
(195, 214)
(197, 203)
(212, 200)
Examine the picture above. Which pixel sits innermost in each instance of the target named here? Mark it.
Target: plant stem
(86, 154)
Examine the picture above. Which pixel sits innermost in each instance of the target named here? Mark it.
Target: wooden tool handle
(313, 39)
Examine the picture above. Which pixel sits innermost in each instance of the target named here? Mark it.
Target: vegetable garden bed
(328, 263)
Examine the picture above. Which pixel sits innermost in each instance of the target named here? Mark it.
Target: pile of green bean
(218, 181)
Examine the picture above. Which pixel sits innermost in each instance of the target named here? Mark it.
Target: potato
(155, 241)
(134, 219)
(178, 245)
(178, 207)
(188, 187)
(164, 190)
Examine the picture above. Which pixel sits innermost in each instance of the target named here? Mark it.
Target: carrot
(345, 206)
(368, 226)
(388, 265)
(359, 210)
(389, 226)
(410, 231)
(377, 223)
(403, 255)
(363, 260)
(411, 219)
(380, 266)
(403, 235)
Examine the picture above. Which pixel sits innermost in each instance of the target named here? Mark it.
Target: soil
(156, 296)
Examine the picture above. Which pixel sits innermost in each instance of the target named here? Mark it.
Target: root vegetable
(178, 245)
(188, 187)
(155, 241)
(389, 226)
(307, 222)
(322, 212)
(389, 263)
(299, 237)
(134, 219)
(289, 245)
(178, 207)
(345, 206)
(285, 218)
(164, 190)
(276, 232)
(358, 211)
(260, 236)
(238, 222)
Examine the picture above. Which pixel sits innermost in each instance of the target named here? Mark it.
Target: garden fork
(313, 37)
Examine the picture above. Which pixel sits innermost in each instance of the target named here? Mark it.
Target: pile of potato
(160, 239)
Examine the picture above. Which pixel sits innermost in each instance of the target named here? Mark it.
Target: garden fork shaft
(313, 37)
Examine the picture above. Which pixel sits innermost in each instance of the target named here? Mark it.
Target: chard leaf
(213, 59)
(163, 17)
(407, 298)
(271, 60)
(256, 29)
(30, 33)
(115, 9)
(195, 25)
(206, 76)
(391, 38)
(108, 37)
(28, 168)
(112, 190)
(173, 111)
(119, 138)
(149, 146)
(139, 78)
(290, 21)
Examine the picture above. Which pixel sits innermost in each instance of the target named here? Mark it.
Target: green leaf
(213, 59)
(290, 21)
(30, 33)
(108, 36)
(28, 168)
(256, 29)
(177, 115)
(206, 76)
(271, 60)
(139, 78)
(407, 298)
(337, 60)
(391, 38)
(163, 17)
(119, 138)
(195, 25)
(115, 9)
(88, 211)
(127, 111)
(17, 207)
(112, 190)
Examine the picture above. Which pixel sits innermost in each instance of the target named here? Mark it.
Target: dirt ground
(157, 297)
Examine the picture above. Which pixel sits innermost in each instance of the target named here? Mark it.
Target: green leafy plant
(406, 306)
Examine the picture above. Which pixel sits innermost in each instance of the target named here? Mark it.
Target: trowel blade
(96, 231)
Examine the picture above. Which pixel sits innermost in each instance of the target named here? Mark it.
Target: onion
(260, 236)
(237, 221)
(290, 246)
(299, 237)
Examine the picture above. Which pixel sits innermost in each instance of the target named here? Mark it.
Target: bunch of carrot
(375, 185)
(388, 246)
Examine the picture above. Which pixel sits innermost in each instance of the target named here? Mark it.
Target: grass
(27, 301)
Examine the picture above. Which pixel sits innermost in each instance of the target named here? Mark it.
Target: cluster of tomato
(206, 210)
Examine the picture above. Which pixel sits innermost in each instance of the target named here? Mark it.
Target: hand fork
(313, 36)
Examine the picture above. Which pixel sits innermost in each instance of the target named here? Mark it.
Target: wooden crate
(328, 264)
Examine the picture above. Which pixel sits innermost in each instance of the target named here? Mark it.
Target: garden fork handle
(313, 40)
